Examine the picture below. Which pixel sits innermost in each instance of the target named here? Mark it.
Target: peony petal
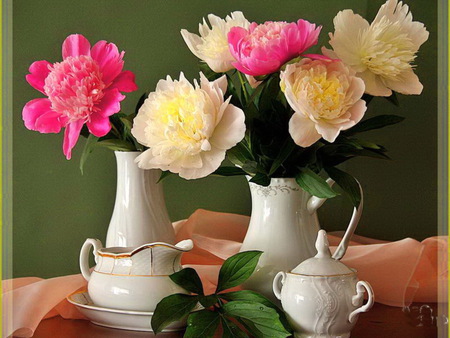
(75, 45)
(71, 136)
(192, 41)
(33, 110)
(357, 112)
(211, 161)
(98, 125)
(303, 130)
(108, 58)
(50, 122)
(407, 83)
(399, 12)
(138, 130)
(329, 53)
(374, 85)
(235, 36)
(330, 131)
(39, 71)
(347, 36)
(110, 103)
(309, 34)
(230, 130)
(125, 82)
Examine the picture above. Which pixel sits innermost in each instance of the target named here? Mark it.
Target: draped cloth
(400, 272)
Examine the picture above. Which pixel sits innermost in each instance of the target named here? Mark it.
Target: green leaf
(89, 146)
(239, 154)
(368, 145)
(376, 122)
(261, 179)
(284, 153)
(208, 301)
(231, 330)
(171, 309)
(164, 175)
(208, 72)
(202, 324)
(367, 98)
(127, 123)
(188, 279)
(229, 171)
(314, 184)
(260, 320)
(251, 296)
(237, 269)
(348, 184)
(116, 145)
(393, 99)
(140, 102)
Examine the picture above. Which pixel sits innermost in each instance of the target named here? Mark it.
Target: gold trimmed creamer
(132, 278)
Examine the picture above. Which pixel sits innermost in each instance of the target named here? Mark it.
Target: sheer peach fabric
(400, 272)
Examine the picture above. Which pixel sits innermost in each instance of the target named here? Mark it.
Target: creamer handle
(276, 284)
(84, 256)
(356, 216)
(360, 286)
(315, 202)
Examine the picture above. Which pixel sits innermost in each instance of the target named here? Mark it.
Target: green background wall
(55, 208)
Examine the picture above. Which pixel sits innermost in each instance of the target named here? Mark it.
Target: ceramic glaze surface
(320, 305)
(284, 225)
(132, 279)
(326, 299)
(118, 319)
(140, 214)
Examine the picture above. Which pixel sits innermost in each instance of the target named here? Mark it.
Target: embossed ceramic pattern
(322, 297)
(132, 279)
(140, 214)
(320, 306)
(284, 225)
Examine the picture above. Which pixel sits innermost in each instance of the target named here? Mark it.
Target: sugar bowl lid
(322, 264)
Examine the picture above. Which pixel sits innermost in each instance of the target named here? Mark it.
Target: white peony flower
(381, 53)
(212, 44)
(187, 128)
(326, 98)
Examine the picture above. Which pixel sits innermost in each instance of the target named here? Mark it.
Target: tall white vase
(284, 225)
(140, 214)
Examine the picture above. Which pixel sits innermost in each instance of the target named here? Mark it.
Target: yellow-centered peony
(381, 53)
(187, 128)
(326, 98)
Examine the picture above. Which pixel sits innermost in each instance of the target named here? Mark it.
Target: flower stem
(115, 131)
(243, 80)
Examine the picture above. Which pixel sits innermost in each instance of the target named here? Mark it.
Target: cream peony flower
(187, 128)
(381, 53)
(212, 44)
(326, 98)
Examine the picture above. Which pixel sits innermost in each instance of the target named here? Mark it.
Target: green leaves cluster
(239, 313)
(268, 150)
(118, 139)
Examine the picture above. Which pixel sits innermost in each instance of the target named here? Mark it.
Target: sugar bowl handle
(84, 256)
(277, 284)
(361, 286)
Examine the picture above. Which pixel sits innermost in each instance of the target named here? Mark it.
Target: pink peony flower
(84, 88)
(263, 49)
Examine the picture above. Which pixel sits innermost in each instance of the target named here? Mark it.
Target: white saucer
(117, 319)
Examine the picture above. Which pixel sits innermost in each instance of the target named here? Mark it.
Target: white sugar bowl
(322, 297)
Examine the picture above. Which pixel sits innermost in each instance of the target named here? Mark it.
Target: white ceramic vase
(140, 214)
(284, 225)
